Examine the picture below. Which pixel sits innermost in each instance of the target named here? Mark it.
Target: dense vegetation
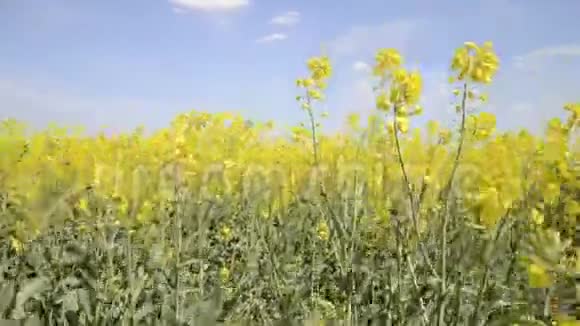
(214, 219)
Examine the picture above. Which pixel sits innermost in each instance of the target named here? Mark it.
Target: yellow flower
(538, 276)
(314, 94)
(412, 88)
(445, 136)
(403, 124)
(83, 205)
(123, 206)
(537, 217)
(323, 231)
(386, 59)
(354, 120)
(229, 164)
(485, 124)
(551, 191)
(479, 63)
(400, 76)
(16, 244)
(383, 103)
(224, 274)
(471, 46)
(460, 61)
(145, 212)
(418, 110)
(491, 208)
(573, 108)
(226, 232)
(320, 68)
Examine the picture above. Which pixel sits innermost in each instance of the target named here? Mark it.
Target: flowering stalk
(414, 215)
(446, 192)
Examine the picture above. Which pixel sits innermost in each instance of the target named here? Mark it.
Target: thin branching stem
(447, 196)
(313, 131)
(410, 195)
(485, 276)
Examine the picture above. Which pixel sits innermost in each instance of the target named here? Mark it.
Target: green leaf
(84, 300)
(30, 289)
(6, 296)
(70, 302)
(145, 310)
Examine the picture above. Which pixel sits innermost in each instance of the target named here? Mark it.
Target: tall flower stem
(446, 194)
(414, 213)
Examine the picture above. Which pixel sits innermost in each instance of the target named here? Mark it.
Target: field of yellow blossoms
(216, 220)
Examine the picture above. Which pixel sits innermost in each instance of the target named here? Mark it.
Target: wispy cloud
(183, 6)
(179, 11)
(361, 66)
(364, 39)
(40, 105)
(531, 59)
(272, 38)
(289, 18)
(561, 50)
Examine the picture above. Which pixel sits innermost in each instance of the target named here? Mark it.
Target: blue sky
(125, 63)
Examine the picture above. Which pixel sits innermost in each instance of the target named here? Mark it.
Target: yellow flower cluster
(403, 91)
(137, 173)
(574, 117)
(323, 231)
(475, 62)
(387, 60)
(320, 70)
(481, 126)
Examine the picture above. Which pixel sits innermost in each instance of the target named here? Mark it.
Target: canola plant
(215, 219)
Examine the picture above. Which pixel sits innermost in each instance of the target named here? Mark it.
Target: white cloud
(179, 11)
(361, 66)
(532, 59)
(39, 105)
(562, 50)
(272, 38)
(366, 39)
(207, 5)
(289, 18)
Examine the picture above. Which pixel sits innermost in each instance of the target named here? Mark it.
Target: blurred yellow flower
(319, 67)
(323, 231)
(538, 276)
(478, 63)
(537, 217)
(226, 233)
(403, 124)
(386, 59)
(224, 274)
(16, 244)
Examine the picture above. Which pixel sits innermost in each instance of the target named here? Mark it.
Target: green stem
(485, 276)
(410, 193)
(178, 238)
(313, 130)
(447, 192)
(130, 275)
